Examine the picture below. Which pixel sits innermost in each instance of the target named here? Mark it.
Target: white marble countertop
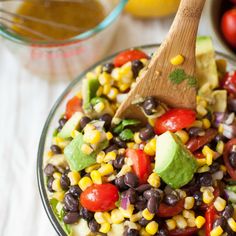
(25, 101)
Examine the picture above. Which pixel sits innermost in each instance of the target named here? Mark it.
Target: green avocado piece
(89, 89)
(70, 125)
(206, 69)
(175, 164)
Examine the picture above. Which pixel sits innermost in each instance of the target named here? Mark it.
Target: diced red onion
(231, 196)
(124, 203)
(229, 131)
(219, 118)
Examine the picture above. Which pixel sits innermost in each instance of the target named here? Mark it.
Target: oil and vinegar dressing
(80, 16)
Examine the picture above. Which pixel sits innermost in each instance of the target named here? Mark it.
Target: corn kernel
(136, 217)
(106, 89)
(223, 168)
(104, 78)
(90, 75)
(106, 169)
(137, 138)
(171, 224)
(127, 213)
(59, 196)
(124, 170)
(92, 167)
(105, 228)
(188, 214)
(220, 147)
(180, 221)
(99, 91)
(99, 217)
(201, 162)
(99, 107)
(206, 150)
(154, 180)
(74, 133)
(152, 227)
(148, 149)
(89, 127)
(200, 221)
(143, 232)
(92, 137)
(191, 222)
(220, 204)
(201, 110)
(183, 135)
(189, 203)
(110, 156)
(217, 231)
(221, 129)
(177, 60)
(85, 182)
(86, 149)
(181, 193)
(56, 185)
(117, 216)
(98, 70)
(96, 177)
(197, 123)
(123, 86)
(50, 154)
(208, 196)
(113, 93)
(203, 169)
(109, 135)
(100, 157)
(147, 215)
(206, 123)
(153, 144)
(232, 224)
(74, 177)
(151, 121)
(56, 175)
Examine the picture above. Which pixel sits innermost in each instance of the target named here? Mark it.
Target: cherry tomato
(100, 197)
(184, 232)
(228, 23)
(227, 150)
(229, 82)
(196, 142)
(129, 55)
(174, 120)
(141, 164)
(169, 211)
(72, 106)
(210, 217)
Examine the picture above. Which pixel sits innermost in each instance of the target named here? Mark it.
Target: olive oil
(80, 16)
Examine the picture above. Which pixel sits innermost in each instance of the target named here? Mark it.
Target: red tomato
(72, 106)
(169, 211)
(99, 197)
(229, 82)
(227, 150)
(228, 26)
(174, 120)
(141, 164)
(196, 142)
(184, 232)
(129, 55)
(210, 217)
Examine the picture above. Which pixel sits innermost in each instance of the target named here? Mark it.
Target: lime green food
(174, 163)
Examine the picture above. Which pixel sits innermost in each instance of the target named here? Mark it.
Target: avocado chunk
(206, 69)
(70, 125)
(175, 164)
(89, 89)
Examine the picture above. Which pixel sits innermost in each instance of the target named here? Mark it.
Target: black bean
(93, 225)
(71, 203)
(131, 195)
(220, 222)
(49, 170)
(228, 212)
(152, 205)
(119, 142)
(84, 121)
(198, 198)
(86, 214)
(111, 148)
(108, 67)
(229, 231)
(62, 122)
(132, 232)
(162, 232)
(171, 199)
(137, 65)
(49, 184)
(131, 180)
(107, 118)
(75, 190)
(205, 179)
(196, 131)
(71, 217)
(119, 162)
(119, 182)
(157, 193)
(143, 222)
(214, 167)
(65, 182)
(220, 137)
(143, 187)
(232, 159)
(147, 133)
(149, 105)
(56, 149)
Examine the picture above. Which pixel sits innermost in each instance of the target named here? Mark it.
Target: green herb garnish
(126, 135)
(129, 122)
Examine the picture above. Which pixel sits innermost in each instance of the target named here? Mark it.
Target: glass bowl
(67, 58)
(55, 114)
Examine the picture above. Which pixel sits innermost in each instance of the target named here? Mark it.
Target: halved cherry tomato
(227, 150)
(129, 55)
(184, 232)
(210, 217)
(169, 211)
(229, 82)
(100, 197)
(141, 164)
(72, 106)
(196, 142)
(174, 120)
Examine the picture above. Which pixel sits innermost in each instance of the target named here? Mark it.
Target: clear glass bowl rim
(110, 18)
(40, 175)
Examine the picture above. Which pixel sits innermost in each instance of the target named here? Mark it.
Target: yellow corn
(99, 107)
(203, 169)
(188, 214)
(171, 224)
(220, 147)
(96, 177)
(152, 227)
(182, 193)
(99, 91)
(112, 93)
(50, 154)
(109, 135)
(127, 213)
(100, 157)
(221, 129)
(101, 217)
(143, 232)
(74, 133)
(56, 185)
(105, 228)
(191, 222)
(207, 196)
(147, 215)
(148, 149)
(86, 149)
(106, 169)
(201, 162)
(197, 123)
(223, 168)
(117, 216)
(85, 182)
(106, 89)
(200, 221)
(98, 70)
(123, 86)
(217, 231)
(89, 127)
(92, 167)
(130, 145)
(209, 159)
(189, 203)
(201, 110)
(137, 138)
(90, 75)
(220, 204)
(92, 136)
(153, 144)
(105, 78)
(151, 121)
(121, 151)
(74, 177)
(154, 180)
(110, 156)
(232, 224)
(180, 221)
(56, 175)
(206, 151)
(136, 217)
(125, 169)
(59, 196)
(177, 60)
(183, 135)
(206, 123)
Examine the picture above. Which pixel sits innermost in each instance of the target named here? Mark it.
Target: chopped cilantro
(192, 81)
(177, 76)
(126, 135)
(129, 122)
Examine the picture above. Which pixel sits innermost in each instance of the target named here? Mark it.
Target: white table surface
(25, 101)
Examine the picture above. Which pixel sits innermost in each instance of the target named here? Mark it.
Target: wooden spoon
(181, 40)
